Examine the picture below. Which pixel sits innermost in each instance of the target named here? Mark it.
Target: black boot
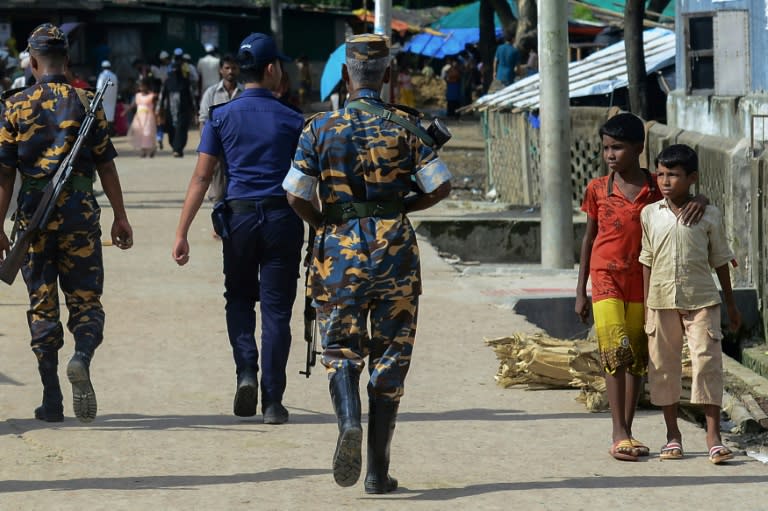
(345, 393)
(381, 426)
(52, 408)
(83, 395)
(247, 393)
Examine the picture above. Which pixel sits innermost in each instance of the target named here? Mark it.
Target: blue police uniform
(255, 136)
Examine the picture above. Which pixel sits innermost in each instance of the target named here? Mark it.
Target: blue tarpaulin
(459, 28)
(451, 42)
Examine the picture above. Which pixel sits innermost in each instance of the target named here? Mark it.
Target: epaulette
(7, 94)
(214, 107)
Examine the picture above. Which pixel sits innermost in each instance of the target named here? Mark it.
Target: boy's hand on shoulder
(694, 210)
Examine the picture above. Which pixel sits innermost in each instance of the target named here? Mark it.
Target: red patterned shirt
(614, 260)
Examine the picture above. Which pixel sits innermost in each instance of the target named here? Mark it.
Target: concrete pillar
(276, 22)
(382, 24)
(556, 189)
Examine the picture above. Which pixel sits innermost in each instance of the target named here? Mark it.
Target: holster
(220, 217)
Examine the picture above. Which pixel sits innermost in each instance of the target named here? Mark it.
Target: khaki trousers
(666, 329)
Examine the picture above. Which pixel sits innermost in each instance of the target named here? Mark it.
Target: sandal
(719, 454)
(672, 450)
(642, 449)
(623, 450)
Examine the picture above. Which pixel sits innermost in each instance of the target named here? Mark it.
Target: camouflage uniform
(364, 268)
(37, 132)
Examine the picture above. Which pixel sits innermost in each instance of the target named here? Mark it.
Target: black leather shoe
(247, 395)
(48, 415)
(275, 413)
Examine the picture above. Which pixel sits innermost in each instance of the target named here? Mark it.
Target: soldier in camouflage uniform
(365, 261)
(37, 132)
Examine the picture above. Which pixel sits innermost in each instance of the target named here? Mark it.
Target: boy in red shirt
(609, 256)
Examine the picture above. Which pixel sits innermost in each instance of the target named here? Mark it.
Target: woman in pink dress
(144, 127)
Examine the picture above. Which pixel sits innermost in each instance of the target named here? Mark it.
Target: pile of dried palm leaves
(542, 362)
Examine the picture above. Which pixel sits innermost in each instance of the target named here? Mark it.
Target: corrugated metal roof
(600, 73)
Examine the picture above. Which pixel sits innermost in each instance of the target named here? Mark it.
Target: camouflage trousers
(347, 343)
(73, 261)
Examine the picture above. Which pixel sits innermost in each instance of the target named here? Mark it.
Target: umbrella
(332, 72)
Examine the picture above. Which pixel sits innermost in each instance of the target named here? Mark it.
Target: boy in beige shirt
(682, 299)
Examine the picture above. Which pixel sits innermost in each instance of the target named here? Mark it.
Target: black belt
(339, 212)
(249, 206)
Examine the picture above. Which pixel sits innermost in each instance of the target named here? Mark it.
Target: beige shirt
(681, 257)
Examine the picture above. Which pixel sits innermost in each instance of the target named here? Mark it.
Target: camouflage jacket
(357, 156)
(38, 129)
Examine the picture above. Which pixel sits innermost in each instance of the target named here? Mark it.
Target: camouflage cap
(367, 46)
(48, 38)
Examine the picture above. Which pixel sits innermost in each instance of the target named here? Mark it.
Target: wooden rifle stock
(11, 265)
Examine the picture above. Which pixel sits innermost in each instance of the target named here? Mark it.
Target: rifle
(13, 262)
(310, 315)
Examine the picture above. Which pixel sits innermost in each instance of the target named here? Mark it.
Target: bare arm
(582, 301)
(121, 232)
(306, 210)
(427, 200)
(734, 316)
(198, 185)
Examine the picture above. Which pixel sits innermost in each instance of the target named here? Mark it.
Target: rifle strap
(391, 116)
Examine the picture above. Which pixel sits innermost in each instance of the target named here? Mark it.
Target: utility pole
(276, 22)
(382, 24)
(555, 136)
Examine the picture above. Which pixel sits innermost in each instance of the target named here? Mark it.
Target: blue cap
(258, 48)
(178, 52)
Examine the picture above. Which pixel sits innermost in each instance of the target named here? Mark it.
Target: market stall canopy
(617, 7)
(600, 73)
(451, 33)
(397, 25)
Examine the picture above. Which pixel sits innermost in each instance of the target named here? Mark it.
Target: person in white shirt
(110, 95)
(208, 68)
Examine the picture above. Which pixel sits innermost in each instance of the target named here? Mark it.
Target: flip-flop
(629, 454)
(671, 451)
(642, 449)
(719, 454)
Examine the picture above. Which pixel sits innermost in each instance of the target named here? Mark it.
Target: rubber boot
(83, 395)
(381, 427)
(345, 394)
(52, 408)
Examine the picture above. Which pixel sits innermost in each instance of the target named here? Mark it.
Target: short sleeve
(102, 148)
(302, 177)
(209, 139)
(8, 148)
(646, 248)
(589, 204)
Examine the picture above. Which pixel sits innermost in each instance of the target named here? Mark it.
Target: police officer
(365, 262)
(256, 136)
(37, 132)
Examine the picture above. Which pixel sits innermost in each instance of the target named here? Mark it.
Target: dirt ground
(165, 437)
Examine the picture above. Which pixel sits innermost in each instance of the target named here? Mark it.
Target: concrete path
(165, 437)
